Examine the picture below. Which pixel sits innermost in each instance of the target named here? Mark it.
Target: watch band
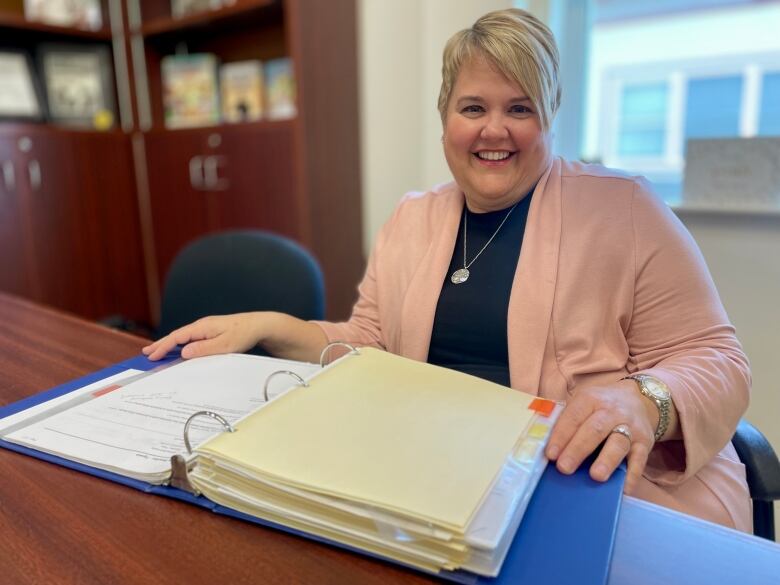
(659, 394)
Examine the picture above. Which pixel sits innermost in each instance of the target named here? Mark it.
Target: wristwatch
(659, 393)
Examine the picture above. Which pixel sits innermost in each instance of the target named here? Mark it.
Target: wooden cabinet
(224, 178)
(90, 221)
(298, 177)
(70, 221)
(15, 277)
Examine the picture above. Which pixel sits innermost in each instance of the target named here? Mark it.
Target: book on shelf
(415, 463)
(190, 90)
(241, 86)
(182, 8)
(85, 14)
(280, 88)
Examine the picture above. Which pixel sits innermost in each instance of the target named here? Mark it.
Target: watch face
(656, 389)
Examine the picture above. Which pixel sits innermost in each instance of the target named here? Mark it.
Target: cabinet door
(107, 187)
(258, 187)
(15, 275)
(81, 223)
(61, 221)
(181, 207)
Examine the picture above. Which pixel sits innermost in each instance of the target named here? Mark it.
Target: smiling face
(493, 139)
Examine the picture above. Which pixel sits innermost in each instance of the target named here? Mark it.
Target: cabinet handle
(8, 176)
(196, 172)
(211, 167)
(34, 170)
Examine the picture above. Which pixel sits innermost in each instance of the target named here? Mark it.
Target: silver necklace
(461, 275)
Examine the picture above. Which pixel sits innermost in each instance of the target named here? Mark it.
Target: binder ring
(228, 427)
(326, 350)
(300, 381)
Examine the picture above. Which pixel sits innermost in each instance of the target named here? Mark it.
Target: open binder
(562, 510)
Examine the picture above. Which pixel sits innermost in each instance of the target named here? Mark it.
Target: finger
(151, 346)
(586, 439)
(571, 419)
(197, 330)
(615, 449)
(160, 348)
(637, 460)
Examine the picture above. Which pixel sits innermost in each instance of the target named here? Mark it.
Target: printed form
(132, 423)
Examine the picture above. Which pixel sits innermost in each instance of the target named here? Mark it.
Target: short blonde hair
(518, 45)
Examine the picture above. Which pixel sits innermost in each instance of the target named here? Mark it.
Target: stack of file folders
(413, 462)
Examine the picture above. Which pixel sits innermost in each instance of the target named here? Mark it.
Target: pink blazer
(608, 283)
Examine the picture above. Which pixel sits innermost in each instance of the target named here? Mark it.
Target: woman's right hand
(281, 335)
(210, 335)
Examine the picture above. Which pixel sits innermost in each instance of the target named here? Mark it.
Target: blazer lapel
(533, 288)
(422, 295)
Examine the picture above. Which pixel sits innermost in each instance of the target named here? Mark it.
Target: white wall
(743, 254)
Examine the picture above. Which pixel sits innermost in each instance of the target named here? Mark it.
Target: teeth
(493, 155)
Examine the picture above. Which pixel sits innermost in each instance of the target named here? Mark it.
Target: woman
(553, 277)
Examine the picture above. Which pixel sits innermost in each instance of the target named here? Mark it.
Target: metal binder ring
(228, 427)
(326, 350)
(300, 381)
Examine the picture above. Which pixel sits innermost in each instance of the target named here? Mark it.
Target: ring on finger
(623, 429)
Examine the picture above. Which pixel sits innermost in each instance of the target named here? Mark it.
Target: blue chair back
(239, 271)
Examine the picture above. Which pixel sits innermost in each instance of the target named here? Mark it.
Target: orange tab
(542, 406)
(105, 390)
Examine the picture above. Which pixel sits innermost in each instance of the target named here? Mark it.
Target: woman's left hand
(590, 418)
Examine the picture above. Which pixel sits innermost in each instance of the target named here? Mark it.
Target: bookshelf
(69, 226)
(12, 22)
(297, 177)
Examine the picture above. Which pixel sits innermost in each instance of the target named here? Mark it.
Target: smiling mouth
(493, 155)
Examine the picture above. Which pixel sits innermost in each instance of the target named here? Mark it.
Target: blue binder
(566, 535)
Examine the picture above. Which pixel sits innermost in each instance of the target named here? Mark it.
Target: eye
(520, 109)
(472, 109)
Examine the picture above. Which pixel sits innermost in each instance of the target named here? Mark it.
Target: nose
(494, 128)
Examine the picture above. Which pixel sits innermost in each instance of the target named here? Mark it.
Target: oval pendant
(459, 276)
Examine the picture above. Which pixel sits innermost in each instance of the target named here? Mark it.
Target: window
(712, 107)
(643, 120)
(769, 116)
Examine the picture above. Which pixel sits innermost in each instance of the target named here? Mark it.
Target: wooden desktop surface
(62, 526)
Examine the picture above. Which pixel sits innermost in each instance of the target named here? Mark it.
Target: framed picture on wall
(20, 96)
(78, 84)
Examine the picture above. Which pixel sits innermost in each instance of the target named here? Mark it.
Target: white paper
(135, 429)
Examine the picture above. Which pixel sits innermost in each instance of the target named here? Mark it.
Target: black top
(470, 326)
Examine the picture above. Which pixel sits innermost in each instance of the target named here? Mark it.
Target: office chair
(763, 476)
(237, 271)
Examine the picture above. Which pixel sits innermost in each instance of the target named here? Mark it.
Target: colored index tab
(105, 390)
(539, 431)
(542, 406)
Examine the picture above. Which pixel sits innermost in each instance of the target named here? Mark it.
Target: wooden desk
(62, 526)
